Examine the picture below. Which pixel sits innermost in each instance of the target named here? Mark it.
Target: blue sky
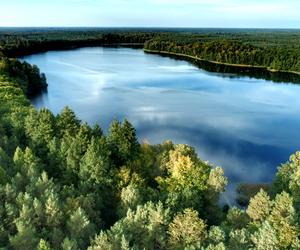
(152, 13)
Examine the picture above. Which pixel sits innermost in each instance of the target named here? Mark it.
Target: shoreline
(244, 66)
(42, 49)
(19, 53)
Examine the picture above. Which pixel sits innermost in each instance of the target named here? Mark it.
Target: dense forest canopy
(67, 185)
(274, 49)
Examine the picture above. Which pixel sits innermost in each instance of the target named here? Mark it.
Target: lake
(247, 126)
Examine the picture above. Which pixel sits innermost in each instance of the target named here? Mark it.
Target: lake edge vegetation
(66, 185)
(275, 50)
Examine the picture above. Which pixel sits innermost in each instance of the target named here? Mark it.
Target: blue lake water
(247, 126)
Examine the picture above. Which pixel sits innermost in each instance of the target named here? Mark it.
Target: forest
(232, 52)
(67, 185)
(273, 49)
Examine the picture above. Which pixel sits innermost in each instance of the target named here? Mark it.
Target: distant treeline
(19, 44)
(235, 70)
(275, 49)
(233, 52)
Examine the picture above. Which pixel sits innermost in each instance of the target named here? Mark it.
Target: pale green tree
(187, 230)
(265, 238)
(284, 220)
(216, 235)
(131, 197)
(43, 245)
(80, 228)
(144, 228)
(259, 206)
(69, 244)
(239, 239)
(53, 211)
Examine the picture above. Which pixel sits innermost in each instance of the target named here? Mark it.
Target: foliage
(66, 185)
(232, 51)
(187, 230)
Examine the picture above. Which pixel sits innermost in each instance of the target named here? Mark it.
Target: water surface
(245, 125)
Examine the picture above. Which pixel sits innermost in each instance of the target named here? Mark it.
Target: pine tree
(76, 151)
(235, 219)
(80, 228)
(97, 131)
(53, 211)
(239, 239)
(265, 238)
(130, 199)
(123, 141)
(95, 165)
(144, 228)
(260, 206)
(26, 163)
(187, 231)
(25, 238)
(69, 244)
(284, 220)
(67, 122)
(216, 235)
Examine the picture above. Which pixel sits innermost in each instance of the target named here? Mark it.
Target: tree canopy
(67, 185)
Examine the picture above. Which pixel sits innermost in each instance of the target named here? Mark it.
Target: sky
(151, 13)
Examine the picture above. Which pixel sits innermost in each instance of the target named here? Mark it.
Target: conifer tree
(187, 230)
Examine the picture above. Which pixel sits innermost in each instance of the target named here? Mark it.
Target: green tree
(25, 238)
(187, 230)
(80, 228)
(123, 141)
(144, 228)
(288, 179)
(260, 206)
(67, 122)
(185, 170)
(131, 197)
(235, 219)
(220, 246)
(76, 151)
(43, 245)
(53, 211)
(97, 131)
(284, 220)
(40, 126)
(69, 244)
(239, 239)
(216, 235)
(265, 238)
(95, 166)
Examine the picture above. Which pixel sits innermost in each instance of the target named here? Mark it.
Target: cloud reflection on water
(247, 126)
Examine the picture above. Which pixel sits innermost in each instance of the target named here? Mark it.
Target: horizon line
(148, 27)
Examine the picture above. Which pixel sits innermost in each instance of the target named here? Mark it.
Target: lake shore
(243, 66)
